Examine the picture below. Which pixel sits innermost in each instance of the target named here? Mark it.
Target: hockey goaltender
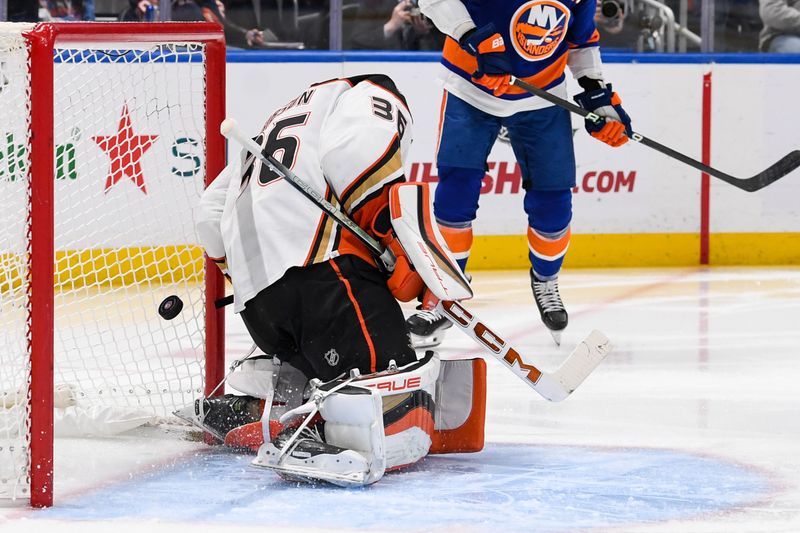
(335, 392)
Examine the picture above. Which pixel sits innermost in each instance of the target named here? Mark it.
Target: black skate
(220, 414)
(427, 329)
(551, 308)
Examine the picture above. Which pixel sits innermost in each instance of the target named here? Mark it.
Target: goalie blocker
(351, 431)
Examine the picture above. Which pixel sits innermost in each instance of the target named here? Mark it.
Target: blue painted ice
(504, 488)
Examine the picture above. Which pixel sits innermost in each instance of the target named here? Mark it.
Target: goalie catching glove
(603, 101)
(404, 283)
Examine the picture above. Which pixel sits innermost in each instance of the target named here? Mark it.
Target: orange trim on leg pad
(249, 436)
(420, 417)
(469, 436)
(408, 426)
(546, 248)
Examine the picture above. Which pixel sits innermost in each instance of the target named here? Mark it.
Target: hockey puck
(170, 307)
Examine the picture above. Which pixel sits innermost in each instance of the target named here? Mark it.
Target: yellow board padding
(643, 250)
(112, 267)
(169, 264)
(754, 249)
(128, 266)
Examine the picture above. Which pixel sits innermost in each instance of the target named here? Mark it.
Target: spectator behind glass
(405, 29)
(60, 10)
(214, 11)
(140, 11)
(781, 31)
(189, 10)
(615, 33)
(609, 22)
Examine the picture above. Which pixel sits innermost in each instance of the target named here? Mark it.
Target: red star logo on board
(125, 151)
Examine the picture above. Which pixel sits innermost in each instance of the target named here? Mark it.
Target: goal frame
(43, 39)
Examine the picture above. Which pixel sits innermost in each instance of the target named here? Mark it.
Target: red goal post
(98, 46)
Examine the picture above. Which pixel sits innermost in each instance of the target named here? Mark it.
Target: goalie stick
(772, 174)
(553, 386)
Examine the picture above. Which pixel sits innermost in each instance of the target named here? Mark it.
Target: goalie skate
(427, 329)
(311, 460)
(221, 414)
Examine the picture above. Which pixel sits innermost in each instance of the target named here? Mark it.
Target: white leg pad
(355, 422)
(408, 409)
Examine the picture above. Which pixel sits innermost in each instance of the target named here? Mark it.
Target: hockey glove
(616, 129)
(494, 68)
(404, 283)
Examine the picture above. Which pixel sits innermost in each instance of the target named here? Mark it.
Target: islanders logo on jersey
(538, 27)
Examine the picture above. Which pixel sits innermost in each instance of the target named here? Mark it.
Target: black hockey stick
(787, 164)
(554, 386)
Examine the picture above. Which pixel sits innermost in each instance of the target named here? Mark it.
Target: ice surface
(691, 424)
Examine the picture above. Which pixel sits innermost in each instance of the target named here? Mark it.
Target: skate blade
(188, 414)
(308, 475)
(431, 341)
(556, 333)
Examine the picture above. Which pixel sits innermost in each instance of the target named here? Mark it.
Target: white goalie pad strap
(354, 421)
(453, 394)
(411, 213)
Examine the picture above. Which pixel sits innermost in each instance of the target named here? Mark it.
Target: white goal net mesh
(129, 161)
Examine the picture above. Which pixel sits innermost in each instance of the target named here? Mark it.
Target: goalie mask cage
(109, 133)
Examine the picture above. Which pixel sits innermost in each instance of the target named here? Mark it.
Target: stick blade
(783, 167)
(576, 368)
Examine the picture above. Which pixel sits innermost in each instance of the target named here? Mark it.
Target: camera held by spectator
(610, 15)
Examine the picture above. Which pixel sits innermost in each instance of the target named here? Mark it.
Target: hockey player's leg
(542, 143)
(465, 140)
(548, 240)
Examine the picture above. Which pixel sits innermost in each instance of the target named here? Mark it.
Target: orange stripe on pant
(372, 357)
(459, 240)
(548, 249)
(441, 121)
